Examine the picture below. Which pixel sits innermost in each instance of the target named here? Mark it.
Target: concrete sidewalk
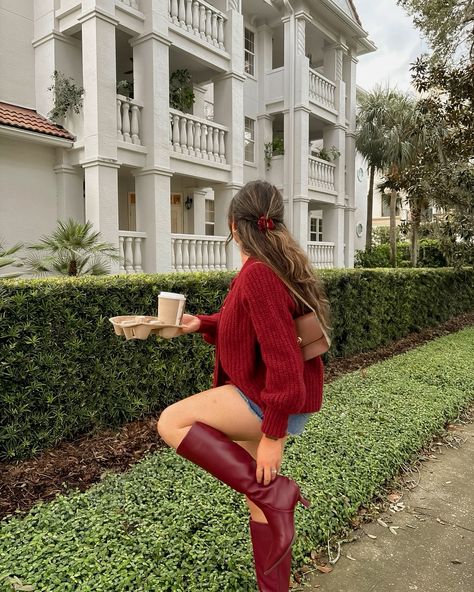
(431, 545)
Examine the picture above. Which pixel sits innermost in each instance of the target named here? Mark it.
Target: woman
(262, 389)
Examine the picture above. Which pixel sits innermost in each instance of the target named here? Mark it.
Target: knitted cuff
(207, 326)
(275, 423)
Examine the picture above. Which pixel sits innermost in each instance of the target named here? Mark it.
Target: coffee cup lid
(171, 295)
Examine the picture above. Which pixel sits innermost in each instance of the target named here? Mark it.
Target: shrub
(64, 372)
(167, 526)
(430, 255)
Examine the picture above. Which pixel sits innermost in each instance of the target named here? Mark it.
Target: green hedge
(63, 371)
(429, 255)
(166, 526)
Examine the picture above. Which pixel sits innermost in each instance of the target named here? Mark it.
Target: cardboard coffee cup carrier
(166, 324)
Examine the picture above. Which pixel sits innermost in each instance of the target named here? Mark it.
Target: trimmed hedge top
(63, 371)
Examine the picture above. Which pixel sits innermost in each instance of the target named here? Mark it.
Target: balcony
(199, 29)
(321, 175)
(128, 120)
(131, 251)
(322, 91)
(321, 255)
(315, 91)
(192, 252)
(198, 145)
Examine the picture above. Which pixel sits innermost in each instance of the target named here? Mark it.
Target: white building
(157, 181)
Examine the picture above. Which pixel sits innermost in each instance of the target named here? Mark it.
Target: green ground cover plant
(167, 526)
(63, 371)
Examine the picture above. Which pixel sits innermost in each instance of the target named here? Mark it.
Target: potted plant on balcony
(274, 148)
(125, 88)
(67, 97)
(328, 154)
(181, 91)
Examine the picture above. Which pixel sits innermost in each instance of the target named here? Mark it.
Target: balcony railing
(192, 252)
(321, 90)
(321, 255)
(197, 137)
(200, 19)
(321, 174)
(128, 120)
(130, 249)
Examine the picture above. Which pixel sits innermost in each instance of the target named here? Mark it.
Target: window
(209, 217)
(249, 140)
(249, 54)
(316, 230)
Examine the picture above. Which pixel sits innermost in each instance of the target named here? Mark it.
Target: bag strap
(309, 306)
(296, 294)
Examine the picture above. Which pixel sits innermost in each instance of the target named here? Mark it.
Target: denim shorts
(296, 422)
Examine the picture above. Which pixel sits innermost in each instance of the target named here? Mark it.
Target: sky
(398, 44)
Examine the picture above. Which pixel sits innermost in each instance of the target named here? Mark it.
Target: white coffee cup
(171, 308)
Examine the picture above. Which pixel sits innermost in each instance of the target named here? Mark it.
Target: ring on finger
(274, 471)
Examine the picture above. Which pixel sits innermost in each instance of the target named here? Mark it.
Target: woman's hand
(190, 324)
(269, 457)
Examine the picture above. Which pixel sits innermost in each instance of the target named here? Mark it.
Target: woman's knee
(167, 423)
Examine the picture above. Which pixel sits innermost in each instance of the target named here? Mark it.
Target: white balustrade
(321, 255)
(130, 249)
(321, 174)
(197, 137)
(192, 252)
(200, 19)
(133, 3)
(322, 90)
(128, 120)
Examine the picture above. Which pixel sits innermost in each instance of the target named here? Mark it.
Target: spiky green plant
(6, 259)
(73, 249)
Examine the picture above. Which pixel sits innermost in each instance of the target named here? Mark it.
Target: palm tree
(73, 249)
(402, 141)
(371, 140)
(386, 135)
(6, 259)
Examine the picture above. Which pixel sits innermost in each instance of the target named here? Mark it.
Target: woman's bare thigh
(222, 408)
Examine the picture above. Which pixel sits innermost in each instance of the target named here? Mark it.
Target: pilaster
(69, 188)
(223, 195)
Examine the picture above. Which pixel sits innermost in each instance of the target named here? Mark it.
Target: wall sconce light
(188, 203)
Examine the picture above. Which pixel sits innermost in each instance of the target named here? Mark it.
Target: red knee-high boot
(230, 463)
(279, 578)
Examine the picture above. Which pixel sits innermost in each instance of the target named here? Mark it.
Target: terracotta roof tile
(30, 120)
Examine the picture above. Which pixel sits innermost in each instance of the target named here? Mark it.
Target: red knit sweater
(257, 349)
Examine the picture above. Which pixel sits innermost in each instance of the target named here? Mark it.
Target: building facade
(275, 92)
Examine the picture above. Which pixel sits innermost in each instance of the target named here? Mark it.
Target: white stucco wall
(28, 201)
(361, 189)
(16, 53)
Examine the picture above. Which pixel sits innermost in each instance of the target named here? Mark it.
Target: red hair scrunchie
(265, 224)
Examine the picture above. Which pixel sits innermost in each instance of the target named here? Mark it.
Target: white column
(223, 195)
(152, 183)
(69, 189)
(300, 217)
(199, 211)
(333, 231)
(349, 236)
(229, 97)
(100, 111)
(199, 108)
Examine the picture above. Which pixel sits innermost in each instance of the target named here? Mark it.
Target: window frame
(251, 141)
(209, 222)
(248, 52)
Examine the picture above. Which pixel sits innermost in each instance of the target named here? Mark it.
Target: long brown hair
(276, 248)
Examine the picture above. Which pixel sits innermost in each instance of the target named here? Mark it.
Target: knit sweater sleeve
(270, 307)
(208, 327)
